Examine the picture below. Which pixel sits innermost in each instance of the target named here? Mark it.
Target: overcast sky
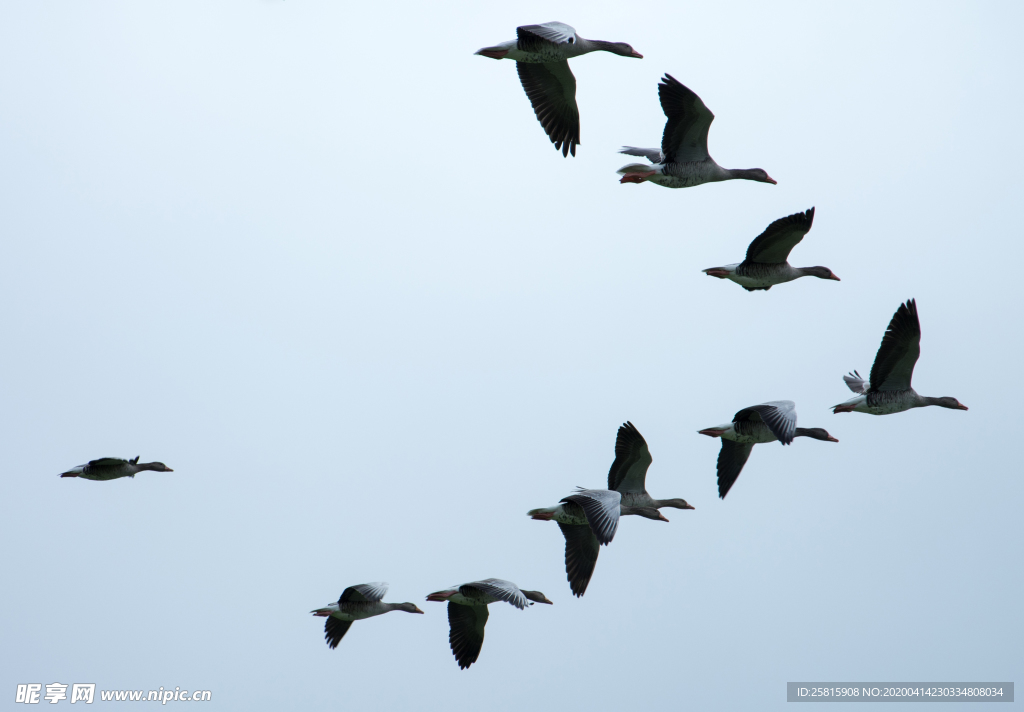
(323, 262)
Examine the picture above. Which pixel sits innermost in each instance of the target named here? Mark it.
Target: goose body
(888, 390)
(357, 603)
(541, 53)
(467, 612)
(588, 519)
(112, 468)
(683, 160)
(767, 256)
(764, 423)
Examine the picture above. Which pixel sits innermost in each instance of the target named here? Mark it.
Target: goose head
(536, 596)
(815, 433)
(819, 272)
(407, 607)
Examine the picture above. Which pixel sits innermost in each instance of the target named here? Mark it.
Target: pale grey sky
(322, 261)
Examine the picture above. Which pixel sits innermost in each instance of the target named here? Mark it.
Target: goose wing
(686, 131)
(500, 590)
(334, 631)
(901, 346)
(653, 155)
(108, 462)
(778, 240)
(466, 632)
(731, 459)
(546, 36)
(628, 472)
(581, 550)
(364, 592)
(779, 416)
(601, 508)
(551, 89)
(855, 383)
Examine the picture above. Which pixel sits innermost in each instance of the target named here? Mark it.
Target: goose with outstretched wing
(764, 423)
(683, 160)
(357, 602)
(541, 53)
(888, 389)
(467, 612)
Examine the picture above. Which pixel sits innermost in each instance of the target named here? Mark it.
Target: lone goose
(356, 603)
(111, 468)
(628, 473)
(765, 423)
(467, 612)
(767, 256)
(683, 160)
(889, 388)
(541, 53)
(588, 519)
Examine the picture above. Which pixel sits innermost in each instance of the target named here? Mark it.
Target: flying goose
(889, 388)
(588, 518)
(467, 612)
(356, 603)
(765, 423)
(628, 473)
(111, 468)
(541, 53)
(683, 160)
(767, 256)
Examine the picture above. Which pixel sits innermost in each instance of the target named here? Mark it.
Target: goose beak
(961, 407)
(832, 439)
(689, 506)
(663, 518)
(772, 181)
(638, 56)
(835, 278)
(168, 470)
(417, 609)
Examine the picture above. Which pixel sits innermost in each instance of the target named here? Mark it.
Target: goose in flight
(683, 160)
(467, 612)
(355, 604)
(767, 256)
(888, 389)
(111, 468)
(541, 53)
(588, 519)
(765, 423)
(628, 473)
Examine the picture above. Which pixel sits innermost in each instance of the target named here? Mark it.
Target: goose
(467, 612)
(588, 519)
(888, 389)
(541, 53)
(356, 603)
(683, 160)
(765, 423)
(111, 468)
(628, 473)
(767, 256)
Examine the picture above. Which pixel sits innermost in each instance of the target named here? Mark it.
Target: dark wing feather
(363, 592)
(686, 131)
(628, 472)
(334, 631)
(896, 357)
(779, 416)
(778, 240)
(498, 589)
(731, 460)
(551, 89)
(466, 632)
(107, 462)
(581, 550)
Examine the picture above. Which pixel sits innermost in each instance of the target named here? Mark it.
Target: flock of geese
(589, 518)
